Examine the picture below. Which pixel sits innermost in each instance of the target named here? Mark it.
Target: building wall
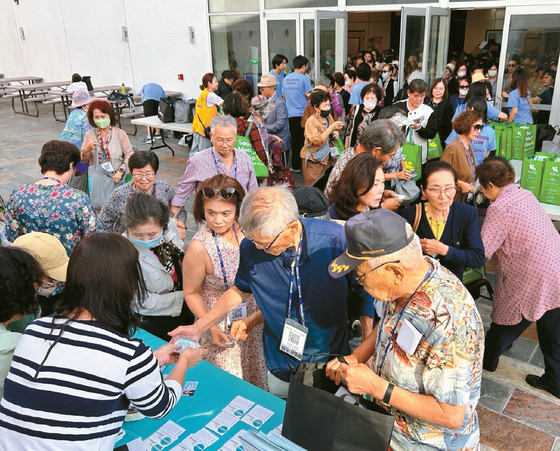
(67, 36)
(480, 20)
(369, 25)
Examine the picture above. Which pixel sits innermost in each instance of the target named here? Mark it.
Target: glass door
(330, 41)
(436, 43)
(413, 27)
(532, 37)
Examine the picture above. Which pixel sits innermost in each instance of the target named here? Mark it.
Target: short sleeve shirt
(523, 115)
(355, 94)
(280, 80)
(294, 87)
(485, 142)
(447, 363)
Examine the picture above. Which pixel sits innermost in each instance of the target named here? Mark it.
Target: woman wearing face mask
(210, 267)
(49, 205)
(390, 85)
(52, 257)
(364, 114)
(459, 99)
(109, 144)
(493, 79)
(442, 107)
(359, 188)
(320, 130)
(156, 238)
(481, 89)
(459, 154)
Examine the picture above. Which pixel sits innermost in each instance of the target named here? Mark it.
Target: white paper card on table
(164, 436)
(222, 423)
(408, 337)
(277, 430)
(189, 388)
(136, 445)
(195, 442)
(238, 406)
(257, 417)
(234, 443)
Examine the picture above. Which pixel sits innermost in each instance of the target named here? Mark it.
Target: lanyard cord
(218, 169)
(226, 285)
(294, 276)
(385, 311)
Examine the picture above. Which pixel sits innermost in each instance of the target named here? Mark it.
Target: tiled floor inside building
(513, 416)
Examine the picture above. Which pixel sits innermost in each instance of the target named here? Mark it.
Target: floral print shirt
(76, 127)
(447, 363)
(58, 210)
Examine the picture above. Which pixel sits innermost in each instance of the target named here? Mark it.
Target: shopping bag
(550, 188)
(532, 173)
(435, 149)
(181, 111)
(523, 141)
(100, 183)
(412, 157)
(244, 143)
(505, 142)
(319, 421)
(166, 112)
(409, 189)
(339, 145)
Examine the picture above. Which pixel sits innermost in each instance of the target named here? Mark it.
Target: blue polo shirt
(356, 93)
(279, 79)
(151, 91)
(267, 277)
(294, 87)
(491, 111)
(523, 115)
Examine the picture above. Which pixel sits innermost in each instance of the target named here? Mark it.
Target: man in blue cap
(428, 347)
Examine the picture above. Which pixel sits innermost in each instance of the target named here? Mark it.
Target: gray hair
(268, 209)
(409, 256)
(382, 133)
(322, 80)
(223, 121)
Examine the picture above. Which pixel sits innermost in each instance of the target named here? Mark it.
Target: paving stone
(534, 411)
(494, 395)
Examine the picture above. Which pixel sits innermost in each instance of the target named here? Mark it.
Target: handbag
(320, 154)
(412, 156)
(166, 112)
(244, 143)
(409, 189)
(101, 184)
(318, 420)
(206, 129)
(79, 181)
(279, 174)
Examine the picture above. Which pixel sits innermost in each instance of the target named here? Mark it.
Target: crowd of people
(274, 277)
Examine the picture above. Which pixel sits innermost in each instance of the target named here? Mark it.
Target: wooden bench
(133, 115)
(37, 97)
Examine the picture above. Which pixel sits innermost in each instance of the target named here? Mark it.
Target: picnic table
(36, 91)
(153, 122)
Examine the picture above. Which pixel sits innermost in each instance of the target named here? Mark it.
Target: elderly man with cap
(224, 85)
(283, 263)
(428, 347)
(276, 122)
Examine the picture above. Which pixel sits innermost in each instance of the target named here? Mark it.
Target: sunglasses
(478, 127)
(512, 65)
(225, 193)
(464, 86)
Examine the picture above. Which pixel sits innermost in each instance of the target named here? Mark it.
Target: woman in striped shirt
(75, 373)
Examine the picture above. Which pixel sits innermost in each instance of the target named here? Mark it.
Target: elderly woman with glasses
(210, 267)
(448, 230)
(143, 167)
(459, 154)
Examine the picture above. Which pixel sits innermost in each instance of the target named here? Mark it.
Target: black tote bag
(319, 421)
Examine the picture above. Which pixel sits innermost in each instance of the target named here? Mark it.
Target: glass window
(227, 6)
(279, 4)
(236, 44)
(388, 2)
(534, 42)
(282, 40)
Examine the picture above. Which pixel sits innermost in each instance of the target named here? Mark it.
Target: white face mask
(461, 73)
(492, 73)
(370, 105)
(463, 92)
(46, 291)
(348, 82)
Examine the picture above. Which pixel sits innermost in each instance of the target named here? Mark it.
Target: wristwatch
(121, 170)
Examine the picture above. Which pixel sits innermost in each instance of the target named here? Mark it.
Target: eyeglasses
(225, 193)
(225, 141)
(449, 191)
(478, 127)
(269, 245)
(141, 175)
(360, 277)
(464, 86)
(512, 65)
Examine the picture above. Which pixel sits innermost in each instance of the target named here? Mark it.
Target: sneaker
(146, 140)
(295, 170)
(158, 136)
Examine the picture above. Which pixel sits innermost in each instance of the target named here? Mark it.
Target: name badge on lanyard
(294, 334)
(107, 165)
(237, 313)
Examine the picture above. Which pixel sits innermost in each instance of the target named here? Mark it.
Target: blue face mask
(146, 244)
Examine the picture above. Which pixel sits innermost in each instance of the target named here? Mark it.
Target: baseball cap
(228, 74)
(48, 251)
(370, 234)
(311, 201)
